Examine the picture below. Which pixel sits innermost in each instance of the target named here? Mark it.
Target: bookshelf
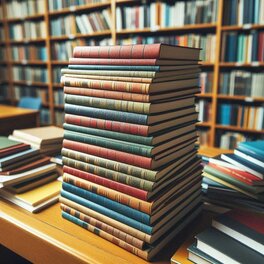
(52, 50)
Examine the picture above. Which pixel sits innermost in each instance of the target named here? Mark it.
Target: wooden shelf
(204, 95)
(28, 62)
(239, 129)
(204, 124)
(241, 98)
(168, 29)
(21, 19)
(55, 62)
(78, 35)
(244, 27)
(29, 83)
(73, 9)
(238, 64)
(27, 41)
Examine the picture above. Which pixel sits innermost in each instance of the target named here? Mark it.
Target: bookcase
(35, 44)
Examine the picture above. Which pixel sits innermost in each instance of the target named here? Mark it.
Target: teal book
(108, 203)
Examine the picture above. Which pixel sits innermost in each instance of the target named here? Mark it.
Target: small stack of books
(236, 180)
(131, 174)
(22, 169)
(235, 237)
(47, 139)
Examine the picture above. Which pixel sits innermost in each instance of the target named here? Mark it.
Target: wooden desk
(48, 238)
(17, 118)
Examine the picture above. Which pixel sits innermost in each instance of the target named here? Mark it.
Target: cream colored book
(40, 135)
(36, 199)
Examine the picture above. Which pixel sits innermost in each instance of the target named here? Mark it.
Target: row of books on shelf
(3, 92)
(244, 116)
(240, 12)
(63, 50)
(29, 53)
(24, 91)
(20, 9)
(204, 137)
(206, 82)
(60, 4)
(243, 47)
(58, 97)
(27, 30)
(156, 15)
(204, 109)
(3, 75)
(3, 54)
(237, 82)
(84, 23)
(30, 74)
(2, 33)
(205, 41)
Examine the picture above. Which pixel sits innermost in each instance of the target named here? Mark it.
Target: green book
(7, 143)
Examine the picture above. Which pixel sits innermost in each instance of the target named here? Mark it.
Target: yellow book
(35, 199)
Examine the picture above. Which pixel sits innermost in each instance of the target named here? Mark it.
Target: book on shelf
(242, 83)
(204, 109)
(243, 12)
(29, 53)
(30, 74)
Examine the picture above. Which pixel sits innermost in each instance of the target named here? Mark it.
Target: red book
(134, 62)
(138, 193)
(137, 51)
(120, 156)
(242, 176)
(13, 149)
(128, 128)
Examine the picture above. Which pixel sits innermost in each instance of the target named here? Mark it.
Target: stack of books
(236, 180)
(22, 169)
(235, 237)
(131, 174)
(47, 139)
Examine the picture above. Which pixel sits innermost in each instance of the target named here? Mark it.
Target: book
(245, 227)
(17, 157)
(38, 161)
(13, 150)
(36, 199)
(244, 164)
(33, 173)
(80, 116)
(249, 156)
(5, 143)
(254, 147)
(131, 87)
(197, 256)
(128, 106)
(226, 249)
(153, 51)
(40, 135)
(125, 61)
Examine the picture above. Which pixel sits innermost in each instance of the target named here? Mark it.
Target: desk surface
(46, 237)
(7, 111)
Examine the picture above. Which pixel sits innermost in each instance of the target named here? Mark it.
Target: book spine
(110, 174)
(121, 127)
(106, 236)
(119, 156)
(105, 211)
(105, 227)
(109, 134)
(109, 143)
(108, 203)
(118, 52)
(118, 105)
(129, 190)
(110, 164)
(106, 114)
(104, 61)
(119, 197)
(107, 94)
(129, 87)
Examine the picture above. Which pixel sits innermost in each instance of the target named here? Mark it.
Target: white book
(259, 125)
(80, 25)
(118, 19)
(86, 22)
(240, 12)
(141, 17)
(249, 48)
(107, 16)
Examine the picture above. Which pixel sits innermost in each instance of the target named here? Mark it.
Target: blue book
(254, 147)
(256, 12)
(258, 160)
(11, 159)
(244, 164)
(110, 213)
(225, 111)
(108, 203)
